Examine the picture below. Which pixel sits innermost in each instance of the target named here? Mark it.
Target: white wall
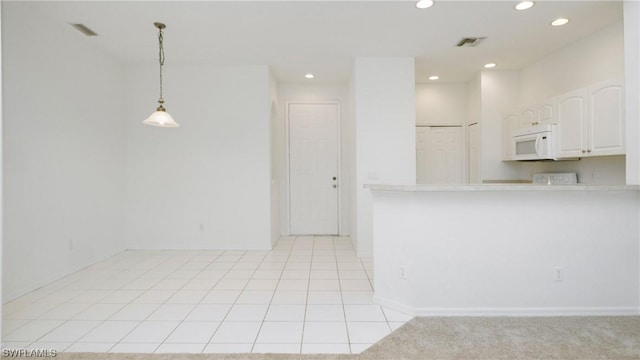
(291, 93)
(63, 151)
(275, 155)
(206, 184)
(1, 186)
(350, 153)
(632, 89)
(473, 100)
(441, 104)
(491, 259)
(498, 93)
(385, 149)
(595, 58)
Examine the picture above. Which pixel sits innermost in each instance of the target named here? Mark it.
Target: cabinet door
(442, 160)
(454, 157)
(571, 113)
(606, 119)
(421, 155)
(527, 117)
(509, 124)
(546, 112)
(473, 154)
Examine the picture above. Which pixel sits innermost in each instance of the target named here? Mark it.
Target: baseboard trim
(23, 290)
(505, 311)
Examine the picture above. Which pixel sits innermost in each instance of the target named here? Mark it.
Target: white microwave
(535, 143)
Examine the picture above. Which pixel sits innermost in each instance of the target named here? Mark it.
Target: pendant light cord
(161, 60)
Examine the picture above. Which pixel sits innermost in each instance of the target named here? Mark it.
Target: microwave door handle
(537, 145)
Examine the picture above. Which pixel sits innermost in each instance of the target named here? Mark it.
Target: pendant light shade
(160, 117)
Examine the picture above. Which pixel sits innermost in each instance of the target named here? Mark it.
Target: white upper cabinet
(528, 117)
(606, 118)
(591, 121)
(546, 113)
(538, 114)
(571, 112)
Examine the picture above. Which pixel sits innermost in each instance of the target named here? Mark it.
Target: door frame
(288, 153)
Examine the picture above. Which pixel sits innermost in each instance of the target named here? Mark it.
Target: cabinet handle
(589, 150)
(584, 151)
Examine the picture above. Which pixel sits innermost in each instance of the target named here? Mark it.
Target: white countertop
(500, 187)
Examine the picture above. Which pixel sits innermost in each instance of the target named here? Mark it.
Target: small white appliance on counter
(555, 178)
(535, 143)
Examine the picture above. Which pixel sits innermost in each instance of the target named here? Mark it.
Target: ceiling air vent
(470, 41)
(84, 29)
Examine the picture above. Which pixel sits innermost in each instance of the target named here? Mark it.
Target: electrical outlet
(404, 272)
(559, 274)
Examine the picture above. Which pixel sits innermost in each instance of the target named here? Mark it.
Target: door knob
(335, 186)
(335, 178)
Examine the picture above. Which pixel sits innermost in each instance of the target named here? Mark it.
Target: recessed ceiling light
(309, 76)
(559, 22)
(424, 4)
(434, 77)
(524, 5)
(490, 65)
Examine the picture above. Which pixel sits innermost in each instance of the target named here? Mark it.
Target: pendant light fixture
(160, 117)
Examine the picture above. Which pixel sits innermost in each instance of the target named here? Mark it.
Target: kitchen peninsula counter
(507, 249)
(502, 187)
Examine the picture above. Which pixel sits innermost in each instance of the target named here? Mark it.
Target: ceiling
(324, 37)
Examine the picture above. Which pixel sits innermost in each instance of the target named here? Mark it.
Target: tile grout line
(306, 304)
(230, 308)
(160, 305)
(344, 311)
(72, 319)
(270, 300)
(178, 290)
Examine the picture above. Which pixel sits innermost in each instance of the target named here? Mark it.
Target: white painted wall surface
(206, 184)
(441, 104)
(1, 186)
(64, 151)
(496, 252)
(595, 58)
(317, 93)
(498, 93)
(632, 89)
(473, 100)
(275, 155)
(350, 153)
(384, 133)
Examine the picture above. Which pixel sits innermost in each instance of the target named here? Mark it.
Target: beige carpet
(580, 338)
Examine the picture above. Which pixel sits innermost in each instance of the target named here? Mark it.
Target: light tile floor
(307, 295)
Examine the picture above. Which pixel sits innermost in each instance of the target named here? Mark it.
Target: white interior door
(313, 168)
(439, 155)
